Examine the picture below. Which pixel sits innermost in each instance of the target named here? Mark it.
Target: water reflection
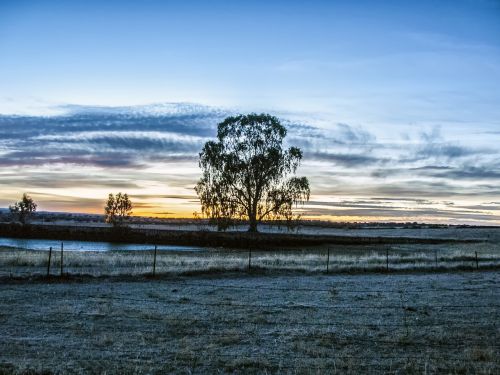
(37, 244)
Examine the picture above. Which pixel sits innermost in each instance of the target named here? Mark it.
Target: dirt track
(254, 324)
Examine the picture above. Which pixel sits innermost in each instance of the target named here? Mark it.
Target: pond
(38, 244)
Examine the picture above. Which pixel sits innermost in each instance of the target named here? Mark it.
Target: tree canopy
(118, 209)
(248, 175)
(24, 208)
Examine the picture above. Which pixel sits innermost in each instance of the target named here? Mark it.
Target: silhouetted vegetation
(23, 209)
(247, 175)
(118, 209)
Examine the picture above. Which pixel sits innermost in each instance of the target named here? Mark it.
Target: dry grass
(350, 259)
(260, 324)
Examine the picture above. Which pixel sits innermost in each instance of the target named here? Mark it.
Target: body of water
(36, 244)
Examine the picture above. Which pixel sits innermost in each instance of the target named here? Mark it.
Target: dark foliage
(23, 209)
(248, 175)
(118, 209)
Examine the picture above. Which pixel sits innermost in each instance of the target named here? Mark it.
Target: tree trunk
(253, 223)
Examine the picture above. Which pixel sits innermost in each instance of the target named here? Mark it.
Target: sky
(394, 103)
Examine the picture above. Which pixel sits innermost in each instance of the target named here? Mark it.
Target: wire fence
(64, 261)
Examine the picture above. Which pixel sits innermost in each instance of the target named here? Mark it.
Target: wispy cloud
(434, 146)
(152, 153)
(107, 137)
(346, 160)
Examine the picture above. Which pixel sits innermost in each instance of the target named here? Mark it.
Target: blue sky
(389, 99)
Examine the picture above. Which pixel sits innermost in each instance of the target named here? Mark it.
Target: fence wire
(144, 262)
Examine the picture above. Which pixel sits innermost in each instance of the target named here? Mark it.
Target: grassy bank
(243, 240)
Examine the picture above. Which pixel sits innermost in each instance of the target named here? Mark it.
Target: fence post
(154, 263)
(62, 257)
(477, 262)
(328, 261)
(48, 264)
(436, 257)
(387, 260)
(249, 259)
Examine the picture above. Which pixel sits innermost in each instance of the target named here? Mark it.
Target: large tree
(118, 209)
(247, 173)
(24, 208)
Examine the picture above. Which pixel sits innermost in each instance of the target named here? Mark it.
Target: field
(366, 308)
(235, 323)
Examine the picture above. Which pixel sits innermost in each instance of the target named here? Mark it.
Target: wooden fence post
(48, 264)
(477, 262)
(249, 259)
(328, 261)
(387, 260)
(154, 263)
(62, 257)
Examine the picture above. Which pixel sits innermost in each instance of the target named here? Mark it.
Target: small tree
(118, 209)
(247, 174)
(23, 209)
